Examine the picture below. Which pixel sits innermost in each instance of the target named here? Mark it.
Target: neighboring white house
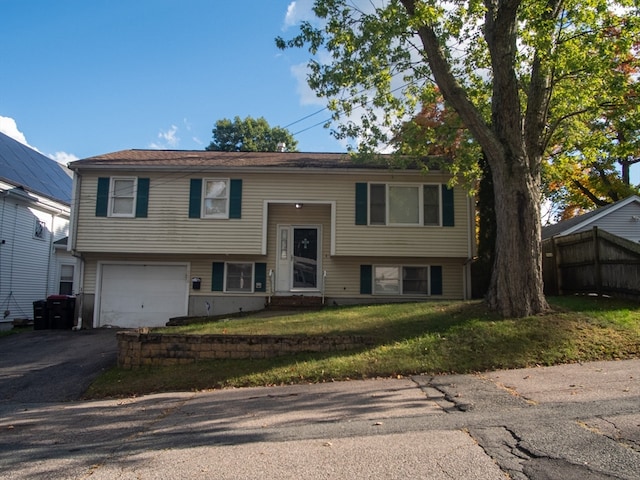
(35, 194)
(621, 218)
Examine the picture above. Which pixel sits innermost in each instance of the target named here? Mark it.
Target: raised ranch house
(164, 234)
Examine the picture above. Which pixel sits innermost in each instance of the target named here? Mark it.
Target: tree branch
(451, 89)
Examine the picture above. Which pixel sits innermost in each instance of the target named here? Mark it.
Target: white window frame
(203, 209)
(73, 273)
(113, 197)
(400, 271)
(251, 280)
(420, 188)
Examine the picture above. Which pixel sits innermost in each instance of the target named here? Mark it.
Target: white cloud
(168, 139)
(297, 12)
(306, 94)
(63, 157)
(9, 127)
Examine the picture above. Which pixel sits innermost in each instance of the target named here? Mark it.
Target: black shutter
(365, 279)
(361, 203)
(102, 201)
(235, 198)
(436, 280)
(261, 277)
(217, 277)
(142, 198)
(195, 198)
(447, 207)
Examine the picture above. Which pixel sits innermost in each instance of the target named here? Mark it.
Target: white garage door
(149, 295)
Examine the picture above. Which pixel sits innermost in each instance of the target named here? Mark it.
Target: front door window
(305, 257)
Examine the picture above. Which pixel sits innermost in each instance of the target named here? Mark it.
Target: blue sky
(84, 77)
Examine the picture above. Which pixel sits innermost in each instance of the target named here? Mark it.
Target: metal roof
(24, 167)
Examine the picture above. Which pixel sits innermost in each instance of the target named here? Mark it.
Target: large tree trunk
(513, 153)
(516, 288)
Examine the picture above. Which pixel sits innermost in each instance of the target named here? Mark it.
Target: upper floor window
(40, 229)
(397, 204)
(122, 197)
(215, 198)
(404, 204)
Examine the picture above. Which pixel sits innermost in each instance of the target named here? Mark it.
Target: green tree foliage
(250, 135)
(514, 71)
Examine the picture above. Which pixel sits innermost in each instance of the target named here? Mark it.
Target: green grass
(419, 338)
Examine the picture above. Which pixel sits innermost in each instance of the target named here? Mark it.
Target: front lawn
(417, 338)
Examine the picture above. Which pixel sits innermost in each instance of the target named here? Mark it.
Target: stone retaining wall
(140, 348)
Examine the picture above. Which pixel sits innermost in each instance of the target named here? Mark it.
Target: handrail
(271, 284)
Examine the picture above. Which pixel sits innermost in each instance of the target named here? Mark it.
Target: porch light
(299, 205)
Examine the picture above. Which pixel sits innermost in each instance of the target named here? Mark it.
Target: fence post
(596, 261)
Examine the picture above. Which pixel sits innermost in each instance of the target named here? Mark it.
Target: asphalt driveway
(47, 366)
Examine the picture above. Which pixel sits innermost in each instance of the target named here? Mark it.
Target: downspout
(50, 256)
(80, 294)
(71, 244)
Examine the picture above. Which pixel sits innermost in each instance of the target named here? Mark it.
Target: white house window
(215, 198)
(66, 280)
(122, 197)
(405, 280)
(401, 204)
(40, 229)
(239, 277)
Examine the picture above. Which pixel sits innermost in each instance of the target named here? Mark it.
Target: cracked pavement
(563, 422)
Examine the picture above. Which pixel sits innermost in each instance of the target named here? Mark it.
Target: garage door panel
(142, 295)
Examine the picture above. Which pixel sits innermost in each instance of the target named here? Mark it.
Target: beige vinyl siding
(167, 228)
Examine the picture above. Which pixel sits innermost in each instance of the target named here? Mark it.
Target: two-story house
(164, 234)
(35, 194)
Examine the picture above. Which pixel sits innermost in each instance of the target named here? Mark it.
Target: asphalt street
(564, 422)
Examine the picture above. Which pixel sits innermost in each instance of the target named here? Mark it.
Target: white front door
(298, 263)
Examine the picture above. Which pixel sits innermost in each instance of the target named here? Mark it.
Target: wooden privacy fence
(591, 262)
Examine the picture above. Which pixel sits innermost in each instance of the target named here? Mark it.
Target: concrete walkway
(564, 422)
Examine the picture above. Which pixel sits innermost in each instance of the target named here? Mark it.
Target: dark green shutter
(436, 280)
(235, 198)
(361, 203)
(365, 279)
(217, 277)
(102, 201)
(195, 198)
(447, 207)
(142, 198)
(261, 277)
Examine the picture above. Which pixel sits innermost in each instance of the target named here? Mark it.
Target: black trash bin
(40, 317)
(61, 310)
